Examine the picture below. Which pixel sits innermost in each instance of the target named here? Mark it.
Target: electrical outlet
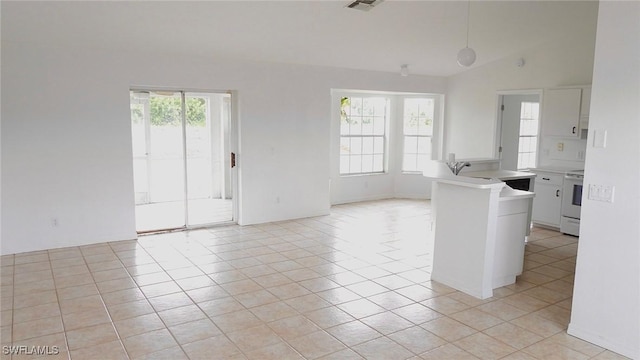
(560, 146)
(581, 155)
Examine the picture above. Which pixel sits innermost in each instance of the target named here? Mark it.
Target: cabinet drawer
(549, 178)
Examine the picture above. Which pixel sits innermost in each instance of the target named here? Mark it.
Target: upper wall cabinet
(565, 111)
(561, 112)
(584, 108)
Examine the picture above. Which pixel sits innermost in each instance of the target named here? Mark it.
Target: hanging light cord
(468, 11)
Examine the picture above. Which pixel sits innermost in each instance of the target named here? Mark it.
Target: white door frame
(234, 140)
(499, 96)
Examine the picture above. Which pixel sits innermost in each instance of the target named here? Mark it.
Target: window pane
(378, 163)
(418, 116)
(531, 144)
(367, 145)
(520, 160)
(344, 127)
(425, 126)
(355, 127)
(410, 144)
(367, 163)
(379, 126)
(424, 145)
(356, 107)
(411, 116)
(345, 147)
(356, 145)
(367, 125)
(411, 107)
(355, 164)
(378, 145)
(409, 163)
(368, 106)
(523, 144)
(380, 106)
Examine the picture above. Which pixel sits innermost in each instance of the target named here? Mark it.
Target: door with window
(520, 114)
(181, 145)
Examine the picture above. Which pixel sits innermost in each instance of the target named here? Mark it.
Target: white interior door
(510, 131)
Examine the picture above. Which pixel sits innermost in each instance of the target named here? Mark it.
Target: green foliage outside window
(168, 111)
(345, 103)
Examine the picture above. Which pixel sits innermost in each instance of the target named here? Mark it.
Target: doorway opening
(181, 164)
(518, 129)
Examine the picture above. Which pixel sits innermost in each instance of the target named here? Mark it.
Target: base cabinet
(547, 204)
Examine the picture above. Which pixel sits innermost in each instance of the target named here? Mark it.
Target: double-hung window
(418, 116)
(363, 134)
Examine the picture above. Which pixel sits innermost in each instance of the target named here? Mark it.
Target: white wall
(66, 142)
(470, 113)
(606, 300)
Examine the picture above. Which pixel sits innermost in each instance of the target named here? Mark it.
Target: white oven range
(571, 202)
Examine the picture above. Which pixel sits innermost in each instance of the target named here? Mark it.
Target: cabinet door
(561, 112)
(546, 204)
(585, 108)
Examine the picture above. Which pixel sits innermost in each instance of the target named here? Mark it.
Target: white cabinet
(548, 201)
(561, 112)
(584, 108)
(565, 111)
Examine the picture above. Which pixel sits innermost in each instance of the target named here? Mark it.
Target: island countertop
(498, 174)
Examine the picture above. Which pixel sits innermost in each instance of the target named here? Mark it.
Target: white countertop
(553, 169)
(499, 174)
(488, 179)
(438, 171)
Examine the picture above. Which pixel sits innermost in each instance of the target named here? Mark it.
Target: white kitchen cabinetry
(561, 112)
(584, 108)
(548, 201)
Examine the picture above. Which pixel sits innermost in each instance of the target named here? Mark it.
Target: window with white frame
(363, 134)
(418, 117)
(528, 142)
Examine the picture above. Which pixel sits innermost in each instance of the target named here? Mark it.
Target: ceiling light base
(404, 70)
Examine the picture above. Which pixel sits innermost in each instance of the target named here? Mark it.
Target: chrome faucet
(456, 166)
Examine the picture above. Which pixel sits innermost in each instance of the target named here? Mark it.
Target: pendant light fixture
(467, 56)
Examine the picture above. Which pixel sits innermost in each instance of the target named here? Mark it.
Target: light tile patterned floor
(351, 285)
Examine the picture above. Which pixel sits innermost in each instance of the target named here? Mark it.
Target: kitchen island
(521, 180)
(479, 233)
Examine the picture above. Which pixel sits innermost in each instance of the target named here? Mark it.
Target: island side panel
(464, 239)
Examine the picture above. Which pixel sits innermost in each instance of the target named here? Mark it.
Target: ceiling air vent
(364, 5)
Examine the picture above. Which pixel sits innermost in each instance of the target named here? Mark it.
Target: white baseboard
(589, 336)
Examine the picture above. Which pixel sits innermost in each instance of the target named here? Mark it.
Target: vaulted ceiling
(426, 35)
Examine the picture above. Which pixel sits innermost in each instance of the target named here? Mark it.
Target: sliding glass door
(180, 144)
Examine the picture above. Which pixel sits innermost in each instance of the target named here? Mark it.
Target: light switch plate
(599, 192)
(599, 138)
(560, 146)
